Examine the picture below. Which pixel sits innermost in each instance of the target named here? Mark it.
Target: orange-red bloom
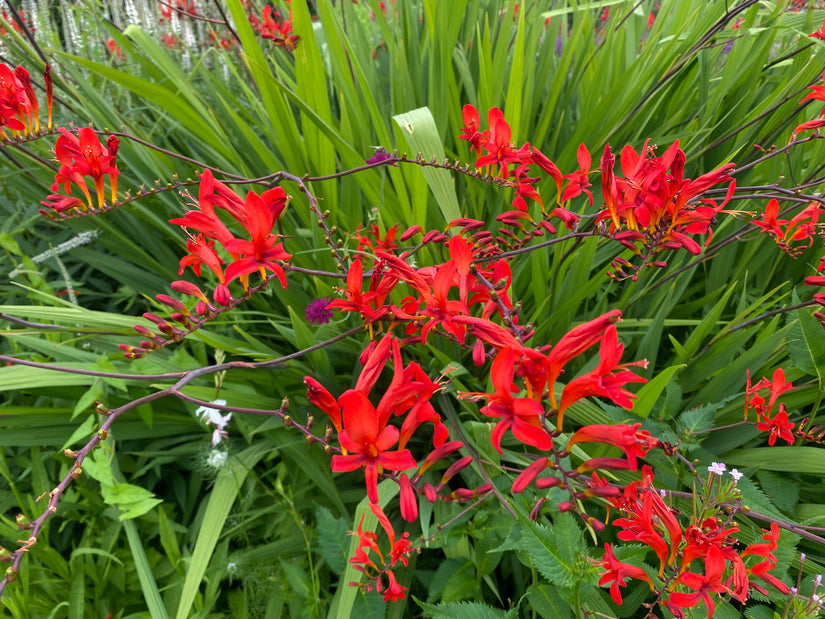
(367, 442)
(617, 573)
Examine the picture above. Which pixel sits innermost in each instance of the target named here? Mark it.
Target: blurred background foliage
(159, 523)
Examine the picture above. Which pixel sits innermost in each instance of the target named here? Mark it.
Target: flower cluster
(755, 400)
(257, 215)
(707, 540)
(271, 27)
(400, 548)
(651, 208)
(19, 109)
(81, 156)
(798, 234)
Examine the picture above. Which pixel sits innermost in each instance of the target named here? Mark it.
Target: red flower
(574, 343)
(617, 572)
(703, 585)
(521, 415)
(263, 251)
(394, 591)
(83, 156)
(819, 34)
(778, 426)
(357, 301)
(769, 222)
(499, 145)
(368, 442)
(647, 515)
(605, 380)
(470, 131)
(632, 441)
(578, 180)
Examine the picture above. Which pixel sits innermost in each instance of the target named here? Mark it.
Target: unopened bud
(23, 522)
(596, 524)
(102, 409)
(288, 421)
(310, 439)
(76, 471)
(69, 453)
(430, 492)
(455, 468)
(5, 555)
(285, 404)
(11, 574)
(102, 434)
(548, 482)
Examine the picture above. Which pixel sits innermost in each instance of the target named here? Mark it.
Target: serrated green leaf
(333, 541)
(464, 610)
(545, 600)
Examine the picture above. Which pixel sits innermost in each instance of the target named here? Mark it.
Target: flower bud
(23, 522)
(529, 474)
(548, 482)
(430, 492)
(222, 295)
(188, 288)
(565, 506)
(11, 574)
(172, 302)
(5, 555)
(597, 525)
(455, 468)
(409, 233)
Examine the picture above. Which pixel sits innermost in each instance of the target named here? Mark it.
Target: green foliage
(159, 522)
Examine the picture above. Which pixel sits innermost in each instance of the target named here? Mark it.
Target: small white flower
(232, 567)
(217, 436)
(818, 580)
(736, 475)
(213, 415)
(663, 493)
(815, 598)
(216, 459)
(717, 467)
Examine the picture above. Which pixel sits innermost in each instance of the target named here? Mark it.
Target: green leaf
(132, 501)
(83, 431)
(332, 539)
(417, 128)
(648, 395)
(219, 505)
(545, 600)
(792, 459)
(812, 345)
(464, 610)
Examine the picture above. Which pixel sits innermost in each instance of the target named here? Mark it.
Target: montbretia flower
(84, 156)
(616, 573)
(367, 442)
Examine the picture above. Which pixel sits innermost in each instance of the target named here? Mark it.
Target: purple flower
(317, 312)
(379, 156)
